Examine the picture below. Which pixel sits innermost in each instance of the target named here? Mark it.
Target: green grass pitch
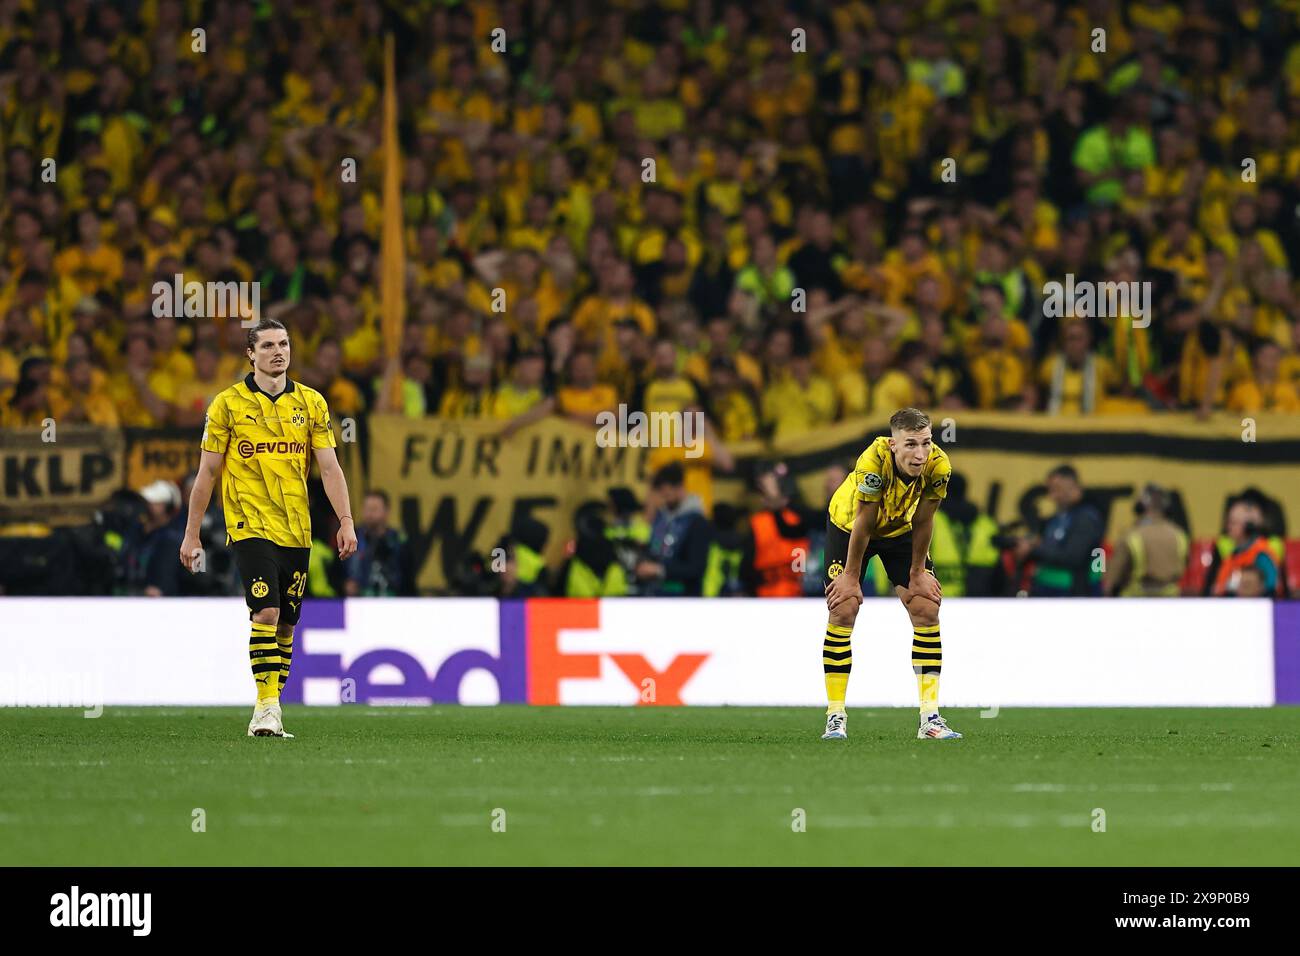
(647, 786)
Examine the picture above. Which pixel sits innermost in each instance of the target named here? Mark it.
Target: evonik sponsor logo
(247, 449)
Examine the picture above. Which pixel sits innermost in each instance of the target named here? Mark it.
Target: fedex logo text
(548, 665)
(527, 666)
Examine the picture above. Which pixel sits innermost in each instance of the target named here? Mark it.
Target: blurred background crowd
(782, 214)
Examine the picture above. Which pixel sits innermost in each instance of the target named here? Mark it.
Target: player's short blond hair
(909, 420)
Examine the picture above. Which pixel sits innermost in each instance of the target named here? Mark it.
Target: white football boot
(936, 728)
(267, 722)
(836, 726)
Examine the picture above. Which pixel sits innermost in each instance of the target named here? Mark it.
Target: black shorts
(894, 553)
(273, 576)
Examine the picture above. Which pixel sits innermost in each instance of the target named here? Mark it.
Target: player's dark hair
(380, 494)
(263, 325)
(909, 420)
(1064, 471)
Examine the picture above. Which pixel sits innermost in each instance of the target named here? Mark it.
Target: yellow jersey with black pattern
(876, 478)
(267, 443)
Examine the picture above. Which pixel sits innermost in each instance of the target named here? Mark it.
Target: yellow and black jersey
(267, 443)
(874, 478)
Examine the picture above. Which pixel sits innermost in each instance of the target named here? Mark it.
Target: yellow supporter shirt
(361, 347)
(94, 407)
(670, 395)
(874, 478)
(737, 418)
(509, 401)
(1288, 369)
(93, 272)
(999, 376)
(11, 417)
(697, 368)
(464, 403)
(1074, 384)
(1194, 372)
(596, 316)
(344, 396)
(176, 365)
(267, 443)
(8, 368)
(586, 401)
(792, 409)
(892, 391)
(131, 410)
(193, 394)
(1249, 397)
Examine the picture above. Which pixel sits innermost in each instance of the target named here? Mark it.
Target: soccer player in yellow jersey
(264, 430)
(886, 507)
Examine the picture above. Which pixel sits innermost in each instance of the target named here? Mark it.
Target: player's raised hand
(191, 553)
(347, 539)
(842, 590)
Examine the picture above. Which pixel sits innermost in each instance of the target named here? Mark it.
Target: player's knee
(267, 615)
(844, 615)
(923, 611)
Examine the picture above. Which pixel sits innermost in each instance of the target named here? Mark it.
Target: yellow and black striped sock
(927, 659)
(837, 661)
(284, 638)
(264, 654)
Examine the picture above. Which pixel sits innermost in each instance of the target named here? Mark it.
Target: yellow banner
(392, 250)
(57, 475)
(456, 487)
(151, 455)
(1005, 459)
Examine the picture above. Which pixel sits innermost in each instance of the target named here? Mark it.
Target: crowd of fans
(797, 254)
(780, 213)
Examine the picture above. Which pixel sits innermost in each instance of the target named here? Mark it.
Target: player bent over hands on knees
(886, 507)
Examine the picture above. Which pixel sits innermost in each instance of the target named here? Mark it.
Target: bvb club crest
(834, 570)
(259, 589)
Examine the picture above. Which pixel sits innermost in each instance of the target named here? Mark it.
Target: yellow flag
(392, 249)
